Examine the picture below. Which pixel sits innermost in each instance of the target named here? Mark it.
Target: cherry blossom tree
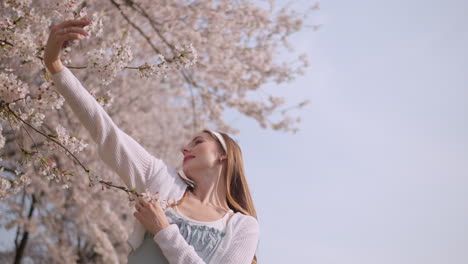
(161, 69)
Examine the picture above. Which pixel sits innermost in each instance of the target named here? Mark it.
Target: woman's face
(201, 153)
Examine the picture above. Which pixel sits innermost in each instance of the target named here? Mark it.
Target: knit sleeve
(117, 149)
(240, 249)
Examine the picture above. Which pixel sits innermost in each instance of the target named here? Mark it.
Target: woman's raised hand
(59, 35)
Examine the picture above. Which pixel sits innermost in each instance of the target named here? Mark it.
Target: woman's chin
(186, 168)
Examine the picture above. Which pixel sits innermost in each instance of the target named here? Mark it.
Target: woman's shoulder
(240, 220)
(242, 227)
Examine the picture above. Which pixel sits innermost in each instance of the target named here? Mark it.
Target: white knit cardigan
(141, 170)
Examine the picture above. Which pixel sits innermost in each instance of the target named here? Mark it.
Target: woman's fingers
(58, 37)
(69, 33)
(69, 36)
(67, 30)
(137, 206)
(142, 203)
(74, 23)
(65, 25)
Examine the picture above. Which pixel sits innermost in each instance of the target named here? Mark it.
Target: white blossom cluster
(10, 187)
(15, 36)
(47, 98)
(29, 108)
(5, 188)
(96, 25)
(48, 168)
(108, 68)
(33, 117)
(186, 57)
(11, 88)
(105, 100)
(7, 29)
(63, 9)
(28, 114)
(71, 143)
(153, 197)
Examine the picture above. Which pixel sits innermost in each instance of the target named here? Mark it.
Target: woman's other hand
(151, 216)
(59, 35)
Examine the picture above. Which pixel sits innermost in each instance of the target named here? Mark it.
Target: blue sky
(379, 170)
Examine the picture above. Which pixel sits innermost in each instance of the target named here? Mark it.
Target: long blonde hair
(238, 192)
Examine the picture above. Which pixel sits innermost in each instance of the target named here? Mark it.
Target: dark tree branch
(24, 240)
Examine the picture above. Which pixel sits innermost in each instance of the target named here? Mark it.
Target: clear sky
(379, 171)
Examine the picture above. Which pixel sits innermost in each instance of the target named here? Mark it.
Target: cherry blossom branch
(143, 67)
(47, 136)
(2, 168)
(147, 38)
(185, 75)
(136, 27)
(142, 11)
(5, 42)
(299, 105)
(107, 184)
(131, 3)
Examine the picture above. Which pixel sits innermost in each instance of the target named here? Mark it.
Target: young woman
(213, 218)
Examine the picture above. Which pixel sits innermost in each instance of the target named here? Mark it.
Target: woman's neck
(210, 196)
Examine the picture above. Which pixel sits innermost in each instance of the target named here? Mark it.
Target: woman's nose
(183, 150)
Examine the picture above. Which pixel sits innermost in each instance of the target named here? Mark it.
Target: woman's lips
(187, 158)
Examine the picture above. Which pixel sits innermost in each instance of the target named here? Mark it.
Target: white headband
(220, 138)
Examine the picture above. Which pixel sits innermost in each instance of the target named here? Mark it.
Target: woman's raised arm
(118, 150)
